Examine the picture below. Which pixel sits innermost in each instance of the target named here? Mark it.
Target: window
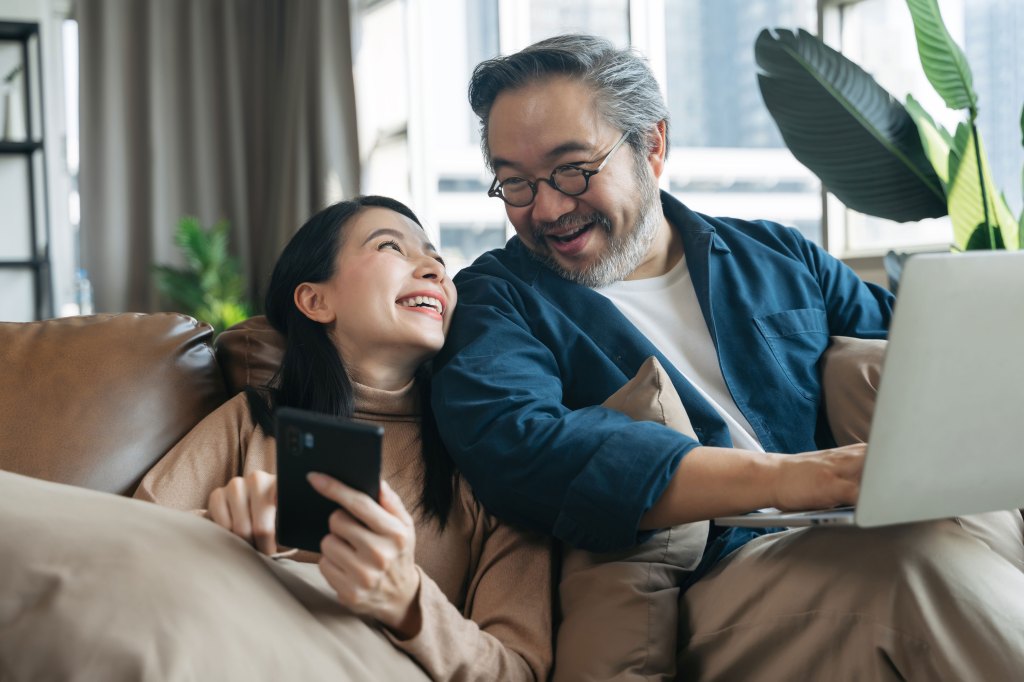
(468, 222)
(727, 156)
(878, 35)
(420, 142)
(72, 299)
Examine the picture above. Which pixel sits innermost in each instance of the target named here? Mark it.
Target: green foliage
(944, 63)
(846, 128)
(857, 138)
(938, 143)
(210, 287)
(973, 199)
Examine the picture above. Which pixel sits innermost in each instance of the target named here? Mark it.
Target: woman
(363, 301)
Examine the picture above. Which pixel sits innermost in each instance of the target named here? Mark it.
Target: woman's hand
(368, 557)
(819, 479)
(247, 506)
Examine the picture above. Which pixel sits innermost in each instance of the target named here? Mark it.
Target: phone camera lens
(293, 441)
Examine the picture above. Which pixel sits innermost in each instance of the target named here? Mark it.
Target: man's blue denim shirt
(531, 356)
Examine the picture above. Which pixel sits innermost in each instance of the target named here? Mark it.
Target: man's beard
(622, 254)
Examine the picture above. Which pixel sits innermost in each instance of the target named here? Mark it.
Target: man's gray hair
(627, 93)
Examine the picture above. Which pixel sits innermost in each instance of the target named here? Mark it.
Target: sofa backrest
(249, 353)
(95, 401)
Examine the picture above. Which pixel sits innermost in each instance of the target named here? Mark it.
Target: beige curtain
(236, 109)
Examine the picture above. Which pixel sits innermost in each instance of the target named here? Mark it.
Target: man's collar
(693, 227)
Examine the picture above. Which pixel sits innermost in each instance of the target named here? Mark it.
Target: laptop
(947, 436)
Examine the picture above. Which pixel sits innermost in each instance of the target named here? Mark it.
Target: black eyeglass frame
(495, 189)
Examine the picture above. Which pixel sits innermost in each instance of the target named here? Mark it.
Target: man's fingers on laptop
(819, 479)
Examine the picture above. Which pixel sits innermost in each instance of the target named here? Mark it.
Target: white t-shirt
(665, 309)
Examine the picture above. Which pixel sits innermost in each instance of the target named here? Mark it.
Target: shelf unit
(25, 208)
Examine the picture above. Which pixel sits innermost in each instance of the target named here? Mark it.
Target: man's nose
(549, 205)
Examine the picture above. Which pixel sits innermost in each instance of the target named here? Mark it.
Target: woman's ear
(309, 299)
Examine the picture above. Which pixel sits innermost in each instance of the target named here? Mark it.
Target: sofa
(97, 586)
(95, 401)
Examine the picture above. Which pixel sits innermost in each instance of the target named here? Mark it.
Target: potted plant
(881, 157)
(210, 287)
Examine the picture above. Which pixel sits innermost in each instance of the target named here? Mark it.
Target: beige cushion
(95, 401)
(100, 587)
(651, 397)
(620, 610)
(851, 370)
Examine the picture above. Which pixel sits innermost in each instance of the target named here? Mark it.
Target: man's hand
(819, 479)
(247, 506)
(712, 482)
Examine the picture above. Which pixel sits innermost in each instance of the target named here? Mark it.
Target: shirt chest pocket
(797, 338)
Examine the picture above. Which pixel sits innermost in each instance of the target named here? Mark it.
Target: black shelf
(17, 30)
(26, 38)
(18, 148)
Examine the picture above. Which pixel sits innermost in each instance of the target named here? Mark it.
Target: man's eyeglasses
(568, 179)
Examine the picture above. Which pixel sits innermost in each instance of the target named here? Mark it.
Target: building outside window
(727, 157)
(420, 142)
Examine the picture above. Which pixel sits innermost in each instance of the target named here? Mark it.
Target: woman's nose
(430, 268)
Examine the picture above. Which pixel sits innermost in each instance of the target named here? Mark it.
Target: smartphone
(308, 441)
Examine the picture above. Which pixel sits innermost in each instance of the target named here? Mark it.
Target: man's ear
(657, 145)
(309, 299)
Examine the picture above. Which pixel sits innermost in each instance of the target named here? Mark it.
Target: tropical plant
(881, 157)
(210, 287)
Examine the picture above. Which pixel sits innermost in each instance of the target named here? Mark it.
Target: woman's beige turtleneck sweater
(486, 588)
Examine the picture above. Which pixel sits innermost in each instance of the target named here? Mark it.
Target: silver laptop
(947, 436)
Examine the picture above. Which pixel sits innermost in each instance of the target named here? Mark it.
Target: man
(605, 272)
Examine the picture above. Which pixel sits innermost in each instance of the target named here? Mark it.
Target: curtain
(223, 109)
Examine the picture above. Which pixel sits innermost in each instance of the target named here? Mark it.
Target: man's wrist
(774, 471)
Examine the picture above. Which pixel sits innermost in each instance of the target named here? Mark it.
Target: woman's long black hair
(312, 375)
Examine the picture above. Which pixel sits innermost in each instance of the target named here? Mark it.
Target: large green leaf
(966, 208)
(1008, 224)
(981, 239)
(846, 128)
(936, 140)
(944, 62)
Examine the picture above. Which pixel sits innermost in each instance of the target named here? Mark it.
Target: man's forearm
(712, 482)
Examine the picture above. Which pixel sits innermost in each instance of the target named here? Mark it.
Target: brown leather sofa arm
(95, 401)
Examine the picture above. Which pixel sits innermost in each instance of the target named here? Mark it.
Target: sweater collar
(377, 402)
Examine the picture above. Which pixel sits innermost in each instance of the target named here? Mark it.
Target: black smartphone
(307, 441)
